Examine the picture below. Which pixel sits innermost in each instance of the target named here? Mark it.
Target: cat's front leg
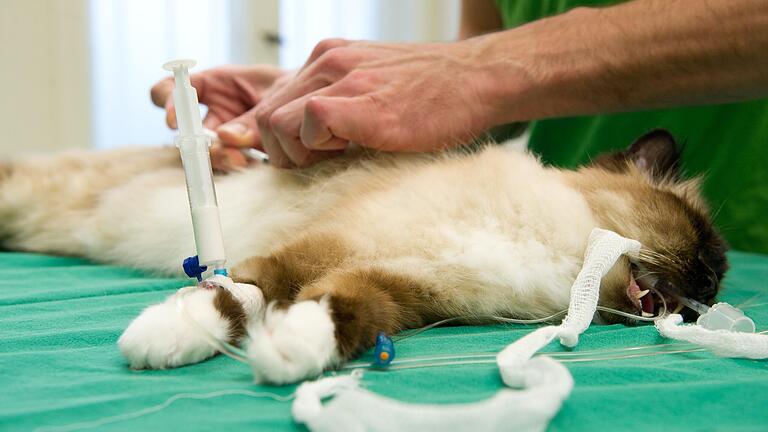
(332, 320)
(178, 331)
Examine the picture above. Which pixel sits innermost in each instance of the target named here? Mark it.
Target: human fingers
(331, 121)
(329, 68)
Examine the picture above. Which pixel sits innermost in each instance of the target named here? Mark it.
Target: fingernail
(237, 135)
(233, 129)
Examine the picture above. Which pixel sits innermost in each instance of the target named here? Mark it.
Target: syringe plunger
(185, 98)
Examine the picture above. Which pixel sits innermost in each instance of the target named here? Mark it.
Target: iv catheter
(384, 351)
(250, 153)
(194, 144)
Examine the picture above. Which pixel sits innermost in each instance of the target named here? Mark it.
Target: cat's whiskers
(657, 258)
(648, 273)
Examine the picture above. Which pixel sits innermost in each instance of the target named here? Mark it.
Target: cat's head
(641, 194)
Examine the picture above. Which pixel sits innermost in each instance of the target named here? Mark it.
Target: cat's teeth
(678, 308)
(646, 314)
(641, 294)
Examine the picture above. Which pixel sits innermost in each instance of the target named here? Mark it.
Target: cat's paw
(293, 344)
(164, 337)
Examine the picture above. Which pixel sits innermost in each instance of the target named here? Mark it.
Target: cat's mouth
(649, 301)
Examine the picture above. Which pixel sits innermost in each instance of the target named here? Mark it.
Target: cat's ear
(656, 153)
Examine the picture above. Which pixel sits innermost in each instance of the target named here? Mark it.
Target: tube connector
(721, 316)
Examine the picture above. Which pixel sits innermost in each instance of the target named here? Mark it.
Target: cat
(368, 243)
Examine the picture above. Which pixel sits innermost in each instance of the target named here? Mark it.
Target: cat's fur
(365, 244)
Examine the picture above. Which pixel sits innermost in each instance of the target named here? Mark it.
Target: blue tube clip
(193, 268)
(384, 352)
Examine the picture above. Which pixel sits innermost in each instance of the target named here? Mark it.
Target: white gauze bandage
(603, 250)
(355, 409)
(723, 343)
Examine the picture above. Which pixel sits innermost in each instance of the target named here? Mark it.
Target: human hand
(230, 93)
(390, 97)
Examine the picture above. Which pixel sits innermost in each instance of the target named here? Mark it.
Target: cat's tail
(6, 170)
(45, 200)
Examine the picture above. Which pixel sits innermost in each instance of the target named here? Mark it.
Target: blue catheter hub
(193, 268)
(384, 352)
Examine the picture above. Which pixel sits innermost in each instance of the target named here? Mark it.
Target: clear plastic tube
(152, 409)
(546, 319)
(220, 345)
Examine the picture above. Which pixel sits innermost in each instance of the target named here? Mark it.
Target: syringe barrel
(209, 239)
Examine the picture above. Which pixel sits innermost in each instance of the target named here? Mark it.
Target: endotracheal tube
(194, 146)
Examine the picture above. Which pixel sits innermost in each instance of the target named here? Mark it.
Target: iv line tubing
(240, 355)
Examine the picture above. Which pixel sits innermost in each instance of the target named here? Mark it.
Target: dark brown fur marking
(232, 311)
(366, 301)
(281, 275)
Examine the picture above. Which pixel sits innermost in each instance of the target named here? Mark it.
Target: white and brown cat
(364, 243)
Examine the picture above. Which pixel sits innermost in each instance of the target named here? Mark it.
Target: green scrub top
(728, 144)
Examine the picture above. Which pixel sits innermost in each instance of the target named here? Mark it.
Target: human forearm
(425, 97)
(638, 55)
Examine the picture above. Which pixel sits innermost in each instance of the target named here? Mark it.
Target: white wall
(132, 39)
(130, 42)
(45, 78)
(77, 73)
(303, 23)
(418, 20)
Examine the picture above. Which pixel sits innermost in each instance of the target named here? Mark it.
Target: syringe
(194, 146)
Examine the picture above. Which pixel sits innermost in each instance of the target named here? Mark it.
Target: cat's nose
(707, 288)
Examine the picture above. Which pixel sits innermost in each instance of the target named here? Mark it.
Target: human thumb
(241, 131)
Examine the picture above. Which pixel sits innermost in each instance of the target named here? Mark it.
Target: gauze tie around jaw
(603, 250)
